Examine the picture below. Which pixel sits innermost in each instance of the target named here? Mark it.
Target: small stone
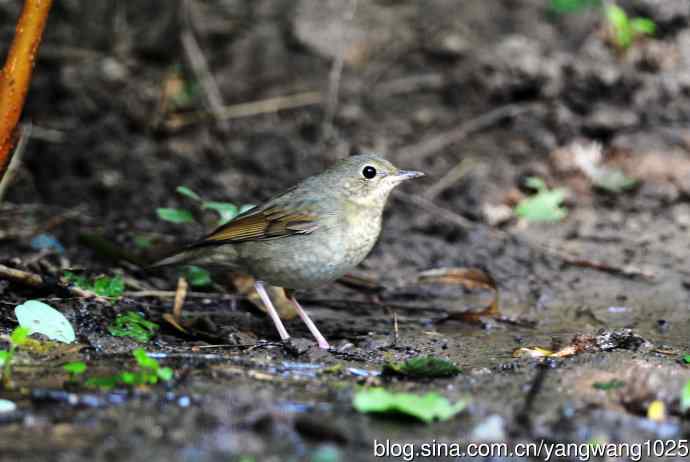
(113, 70)
(491, 429)
(7, 406)
(496, 215)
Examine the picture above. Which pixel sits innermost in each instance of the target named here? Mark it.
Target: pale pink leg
(320, 339)
(261, 290)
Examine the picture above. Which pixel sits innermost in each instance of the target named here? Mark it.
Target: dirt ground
(479, 95)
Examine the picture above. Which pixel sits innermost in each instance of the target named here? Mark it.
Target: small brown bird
(311, 234)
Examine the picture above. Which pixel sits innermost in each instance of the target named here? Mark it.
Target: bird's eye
(368, 172)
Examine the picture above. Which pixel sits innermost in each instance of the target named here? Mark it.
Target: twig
(15, 160)
(453, 176)
(581, 262)
(180, 296)
(337, 71)
(236, 111)
(172, 293)
(202, 71)
(49, 135)
(523, 417)
(396, 332)
(437, 142)
(410, 84)
(440, 212)
(259, 344)
(36, 280)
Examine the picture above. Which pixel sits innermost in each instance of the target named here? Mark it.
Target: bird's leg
(261, 290)
(320, 339)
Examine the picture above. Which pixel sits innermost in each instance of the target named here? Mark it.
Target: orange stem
(16, 75)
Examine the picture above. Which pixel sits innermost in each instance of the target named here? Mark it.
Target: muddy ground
(477, 94)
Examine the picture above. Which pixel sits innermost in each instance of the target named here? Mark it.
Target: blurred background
(131, 99)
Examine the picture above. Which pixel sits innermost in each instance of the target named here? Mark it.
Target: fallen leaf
(283, 305)
(656, 411)
(44, 319)
(610, 385)
(180, 296)
(470, 278)
(7, 406)
(427, 408)
(605, 340)
(544, 206)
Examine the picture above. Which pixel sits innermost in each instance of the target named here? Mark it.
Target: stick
(15, 160)
(440, 212)
(237, 111)
(435, 143)
(199, 64)
(172, 293)
(180, 296)
(453, 176)
(36, 280)
(336, 73)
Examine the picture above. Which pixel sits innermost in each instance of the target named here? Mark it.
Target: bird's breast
(310, 260)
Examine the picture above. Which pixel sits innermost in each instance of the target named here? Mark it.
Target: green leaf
(246, 207)
(426, 407)
(129, 378)
(143, 241)
(423, 366)
(618, 19)
(5, 356)
(133, 324)
(19, 334)
(610, 385)
(185, 191)
(326, 453)
(535, 182)
(109, 286)
(165, 373)
(225, 210)
(175, 215)
(685, 397)
(104, 286)
(686, 359)
(571, 6)
(144, 360)
(643, 26)
(612, 180)
(104, 383)
(196, 276)
(79, 281)
(149, 372)
(75, 368)
(543, 206)
(616, 16)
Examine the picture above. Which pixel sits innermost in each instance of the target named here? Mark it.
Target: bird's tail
(224, 256)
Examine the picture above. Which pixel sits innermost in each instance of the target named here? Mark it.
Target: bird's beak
(407, 174)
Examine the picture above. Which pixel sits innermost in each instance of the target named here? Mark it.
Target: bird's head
(366, 179)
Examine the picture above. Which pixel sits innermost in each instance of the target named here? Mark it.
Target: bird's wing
(264, 223)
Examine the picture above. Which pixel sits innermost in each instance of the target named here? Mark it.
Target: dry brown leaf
(180, 296)
(605, 340)
(170, 319)
(470, 278)
(539, 352)
(245, 286)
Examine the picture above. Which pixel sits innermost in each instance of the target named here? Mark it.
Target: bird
(305, 237)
